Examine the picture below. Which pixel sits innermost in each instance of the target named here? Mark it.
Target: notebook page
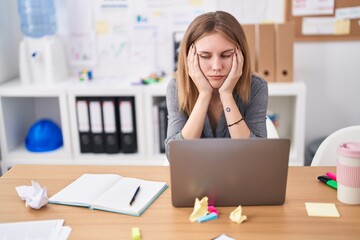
(85, 189)
(118, 197)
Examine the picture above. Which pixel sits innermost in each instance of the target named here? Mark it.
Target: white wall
(9, 40)
(331, 71)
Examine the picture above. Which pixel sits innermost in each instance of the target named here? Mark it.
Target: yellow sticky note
(322, 210)
(236, 215)
(196, 2)
(342, 26)
(102, 27)
(200, 209)
(135, 233)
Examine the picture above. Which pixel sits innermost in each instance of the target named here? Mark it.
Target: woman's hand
(195, 72)
(234, 74)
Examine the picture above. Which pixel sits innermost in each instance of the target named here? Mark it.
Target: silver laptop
(230, 172)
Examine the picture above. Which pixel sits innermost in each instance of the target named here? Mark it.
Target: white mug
(348, 173)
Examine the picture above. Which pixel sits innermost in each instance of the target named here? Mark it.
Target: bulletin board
(354, 34)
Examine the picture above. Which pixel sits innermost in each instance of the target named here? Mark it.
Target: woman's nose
(216, 64)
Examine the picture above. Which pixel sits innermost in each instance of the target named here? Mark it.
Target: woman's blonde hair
(226, 24)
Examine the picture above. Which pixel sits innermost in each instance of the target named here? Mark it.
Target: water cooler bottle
(42, 54)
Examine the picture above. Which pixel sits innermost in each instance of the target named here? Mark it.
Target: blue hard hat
(43, 136)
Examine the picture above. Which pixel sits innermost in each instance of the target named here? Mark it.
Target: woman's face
(215, 54)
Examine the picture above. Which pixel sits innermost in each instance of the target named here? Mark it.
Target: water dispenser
(42, 54)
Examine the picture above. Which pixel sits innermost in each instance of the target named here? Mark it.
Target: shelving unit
(288, 101)
(22, 105)
(104, 88)
(152, 94)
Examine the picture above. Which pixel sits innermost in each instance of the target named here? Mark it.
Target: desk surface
(163, 221)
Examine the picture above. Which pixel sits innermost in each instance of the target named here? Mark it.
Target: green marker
(328, 181)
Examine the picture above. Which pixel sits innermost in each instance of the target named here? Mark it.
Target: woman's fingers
(193, 62)
(240, 57)
(238, 62)
(191, 58)
(195, 72)
(235, 72)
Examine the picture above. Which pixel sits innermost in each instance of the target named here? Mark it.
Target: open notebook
(110, 192)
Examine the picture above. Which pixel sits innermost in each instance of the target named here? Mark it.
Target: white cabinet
(22, 105)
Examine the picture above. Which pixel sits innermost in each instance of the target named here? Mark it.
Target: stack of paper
(47, 229)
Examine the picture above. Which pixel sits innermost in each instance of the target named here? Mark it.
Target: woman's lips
(216, 77)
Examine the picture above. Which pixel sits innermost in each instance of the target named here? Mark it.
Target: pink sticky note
(212, 209)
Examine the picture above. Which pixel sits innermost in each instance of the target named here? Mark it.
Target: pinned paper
(34, 196)
(322, 210)
(236, 215)
(348, 13)
(200, 209)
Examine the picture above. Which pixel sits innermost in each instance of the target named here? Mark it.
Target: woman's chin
(216, 84)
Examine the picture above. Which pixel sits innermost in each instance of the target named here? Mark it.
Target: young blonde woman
(215, 95)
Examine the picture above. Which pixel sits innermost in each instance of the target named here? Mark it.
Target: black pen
(135, 194)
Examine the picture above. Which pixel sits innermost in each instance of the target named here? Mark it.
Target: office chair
(326, 154)
(271, 129)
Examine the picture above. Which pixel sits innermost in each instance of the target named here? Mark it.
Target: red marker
(331, 175)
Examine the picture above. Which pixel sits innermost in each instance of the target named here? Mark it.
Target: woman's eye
(226, 56)
(204, 56)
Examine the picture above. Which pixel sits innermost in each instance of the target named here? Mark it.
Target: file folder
(155, 124)
(128, 139)
(111, 131)
(249, 30)
(162, 125)
(83, 121)
(285, 34)
(266, 51)
(96, 123)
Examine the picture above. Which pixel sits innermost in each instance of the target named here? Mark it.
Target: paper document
(348, 13)
(47, 229)
(325, 26)
(312, 7)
